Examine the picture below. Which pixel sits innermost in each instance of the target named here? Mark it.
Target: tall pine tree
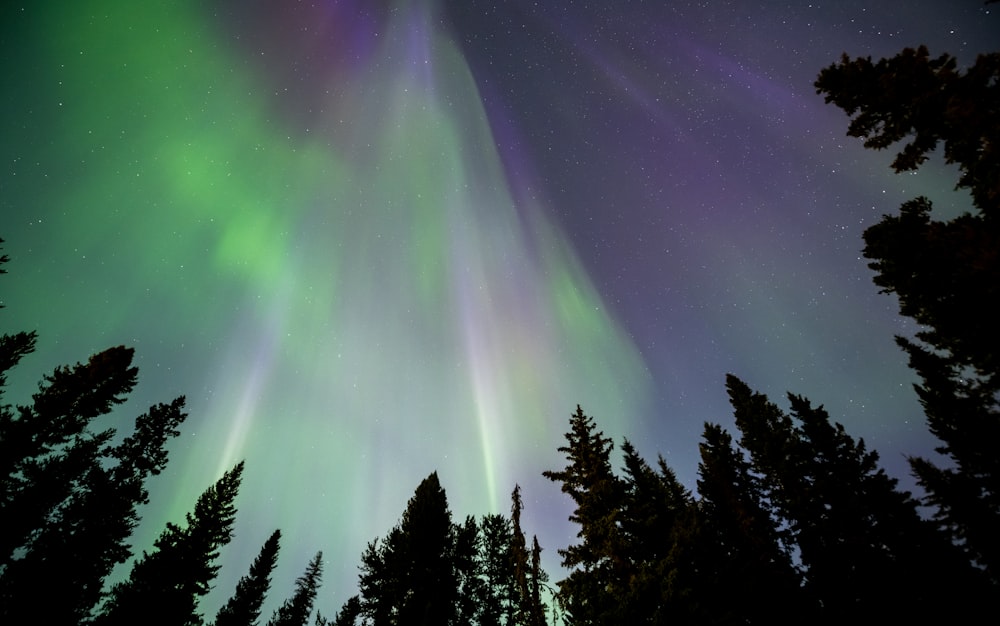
(86, 536)
(349, 613)
(591, 592)
(169, 581)
(657, 513)
(47, 448)
(469, 584)
(295, 611)
(946, 273)
(865, 551)
(744, 575)
(529, 610)
(69, 496)
(497, 601)
(408, 578)
(243, 608)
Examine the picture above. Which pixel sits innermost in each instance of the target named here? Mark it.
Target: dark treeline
(792, 518)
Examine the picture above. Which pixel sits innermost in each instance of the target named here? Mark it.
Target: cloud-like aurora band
(349, 296)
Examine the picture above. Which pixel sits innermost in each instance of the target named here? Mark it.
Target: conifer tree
(744, 575)
(519, 554)
(409, 577)
(497, 600)
(864, 548)
(172, 578)
(657, 511)
(349, 613)
(243, 608)
(69, 497)
(295, 611)
(469, 584)
(12, 349)
(946, 273)
(529, 610)
(590, 593)
(87, 536)
(538, 577)
(47, 448)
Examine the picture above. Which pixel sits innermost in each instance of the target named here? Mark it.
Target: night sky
(369, 240)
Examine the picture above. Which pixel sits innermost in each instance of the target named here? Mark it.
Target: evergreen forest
(792, 520)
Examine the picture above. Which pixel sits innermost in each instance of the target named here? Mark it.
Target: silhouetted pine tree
(654, 506)
(967, 495)
(529, 610)
(243, 608)
(87, 536)
(465, 550)
(591, 592)
(295, 611)
(12, 349)
(349, 613)
(497, 599)
(46, 449)
(409, 578)
(743, 574)
(537, 579)
(168, 582)
(865, 550)
(945, 273)
(68, 495)
(519, 554)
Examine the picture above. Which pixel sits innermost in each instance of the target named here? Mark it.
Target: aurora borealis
(368, 240)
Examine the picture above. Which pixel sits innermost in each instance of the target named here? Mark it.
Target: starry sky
(370, 240)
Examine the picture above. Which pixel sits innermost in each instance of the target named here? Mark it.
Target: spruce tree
(529, 610)
(349, 613)
(537, 579)
(12, 349)
(295, 611)
(469, 584)
(46, 449)
(519, 554)
(87, 536)
(497, 602)
(169, 581)
(865, 551)
(744, 575)
(656, 511)
(69, 496)
(409, 576)
(591, 592)
(243, 608)
(946, 273)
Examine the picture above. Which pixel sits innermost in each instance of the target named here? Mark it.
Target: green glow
(347, 308)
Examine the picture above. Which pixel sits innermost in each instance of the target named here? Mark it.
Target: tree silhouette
(863, 546)
(529, 610)
(47, 448)
(590, 593)
(469, 584)
(86, 536)
(295, 611)
(656, 517)
(946, 273)
(408, 577)
(744, 574)
(69, 496)
(180, 570)
(497, 602)
(243, 608)
(349, 613)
